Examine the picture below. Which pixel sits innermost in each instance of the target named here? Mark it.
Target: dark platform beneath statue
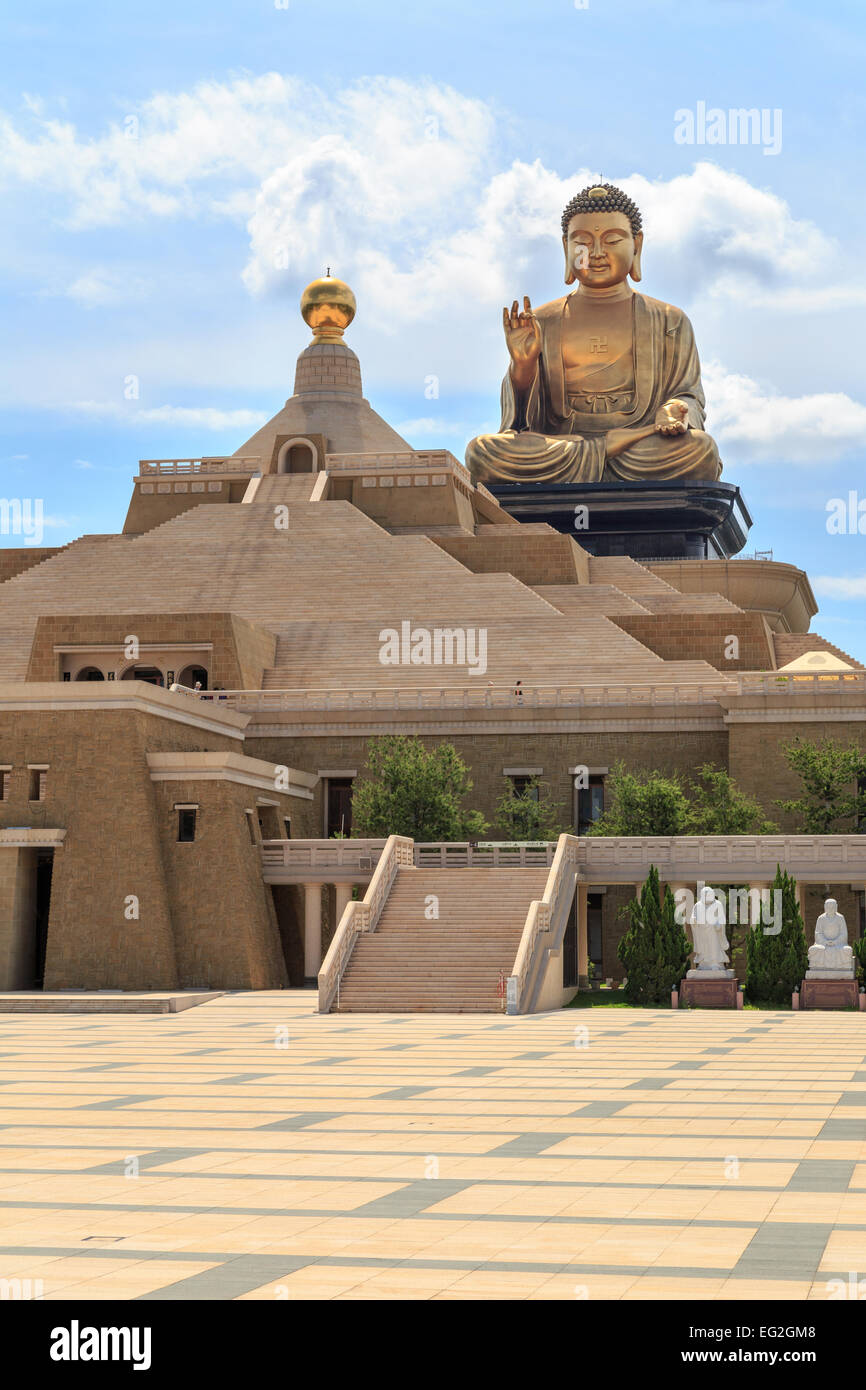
(709, 994)
(829, 994)
(646, 521)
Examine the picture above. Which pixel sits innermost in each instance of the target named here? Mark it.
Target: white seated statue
(831, 958)
(710, 943)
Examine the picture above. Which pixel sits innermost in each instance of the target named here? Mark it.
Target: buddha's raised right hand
(523, 339)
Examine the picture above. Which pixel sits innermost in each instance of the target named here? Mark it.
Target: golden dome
(328, 307)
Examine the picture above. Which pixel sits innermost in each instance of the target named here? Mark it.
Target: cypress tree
(654, 950)
(776, 965)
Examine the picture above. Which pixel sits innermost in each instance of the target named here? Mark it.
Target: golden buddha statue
(604, 383)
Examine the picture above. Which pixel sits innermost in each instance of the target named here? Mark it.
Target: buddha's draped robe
(558, 435)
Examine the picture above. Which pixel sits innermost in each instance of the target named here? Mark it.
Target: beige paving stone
(643, 1191)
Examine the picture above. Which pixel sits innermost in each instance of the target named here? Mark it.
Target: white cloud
(427, 424)
(185, 417)
(402, 187)
(98, 287)
(785, 428)
(831, 586)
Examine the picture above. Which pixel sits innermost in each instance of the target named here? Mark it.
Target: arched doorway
(297, 456)
(151, 674)
(90, 673)
(192, 674)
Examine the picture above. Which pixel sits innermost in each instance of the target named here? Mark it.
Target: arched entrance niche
(297, 455)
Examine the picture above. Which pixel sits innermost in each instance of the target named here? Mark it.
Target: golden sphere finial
(328, 307)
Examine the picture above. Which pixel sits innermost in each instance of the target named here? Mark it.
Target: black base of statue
(646, 521)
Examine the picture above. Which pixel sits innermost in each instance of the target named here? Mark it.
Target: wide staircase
(413, 963)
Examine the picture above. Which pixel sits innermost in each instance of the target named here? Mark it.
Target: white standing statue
(710, 942)
(831, 958)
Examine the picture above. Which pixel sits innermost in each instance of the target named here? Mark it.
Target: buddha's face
(830, 907)
(600, 249)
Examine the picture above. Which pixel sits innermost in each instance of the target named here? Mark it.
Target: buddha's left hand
(672, 417)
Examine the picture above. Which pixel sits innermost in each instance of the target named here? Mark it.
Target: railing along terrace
(514, 855)
(689, 856)
(318, 856)
(436, 697)
(439, 459)
(222, 464)
(801, 682)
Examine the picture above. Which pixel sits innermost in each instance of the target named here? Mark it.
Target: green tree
(655, 950)
(718, 807)
(775, 965)
(831, 777)
(529, 814)
(643, 803)
(410, 790)
(859, 948)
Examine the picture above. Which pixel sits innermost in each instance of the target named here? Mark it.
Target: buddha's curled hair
(602, 197)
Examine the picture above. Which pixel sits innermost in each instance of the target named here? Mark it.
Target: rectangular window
(590, 803)
(338, 807)
(287, 822)
(186, 825)
(524, 785)
(251, 827)
(38, 781)
(4, 783)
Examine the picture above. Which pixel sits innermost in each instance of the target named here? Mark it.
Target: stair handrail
(362, 916)
(542, 916)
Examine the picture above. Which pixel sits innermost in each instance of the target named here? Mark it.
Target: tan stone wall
(487, 754)
(255, 650)
(704, 637)
(238, 646)
(99, 789)
(147, 510)
(533, 558)
(412, 504)
(757, 762)
(14, 562)
(225, 925)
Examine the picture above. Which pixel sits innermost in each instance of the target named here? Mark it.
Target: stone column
(312, 932)
(582, 931)
(17, 917)
(343, 893)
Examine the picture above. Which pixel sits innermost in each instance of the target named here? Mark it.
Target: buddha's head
(830, 907)
(601, 238)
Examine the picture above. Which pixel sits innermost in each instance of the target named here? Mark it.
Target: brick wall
(704, 637)
(240, 649)
(533, 559)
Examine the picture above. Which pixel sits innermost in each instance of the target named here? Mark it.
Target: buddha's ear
(570, 276)
(635, 265)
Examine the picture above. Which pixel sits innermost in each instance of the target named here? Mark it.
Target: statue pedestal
(646, 521)
(709, 989)
(835, 993)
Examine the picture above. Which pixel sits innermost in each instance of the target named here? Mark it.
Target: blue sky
(173, 174)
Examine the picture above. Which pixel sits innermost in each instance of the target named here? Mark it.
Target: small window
(526, 786)
(251, 827)
(4, 783)
(590, 803)
(186, 826)
(287, 822)
(38, 779)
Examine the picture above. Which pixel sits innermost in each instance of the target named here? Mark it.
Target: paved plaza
(252, 1149)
